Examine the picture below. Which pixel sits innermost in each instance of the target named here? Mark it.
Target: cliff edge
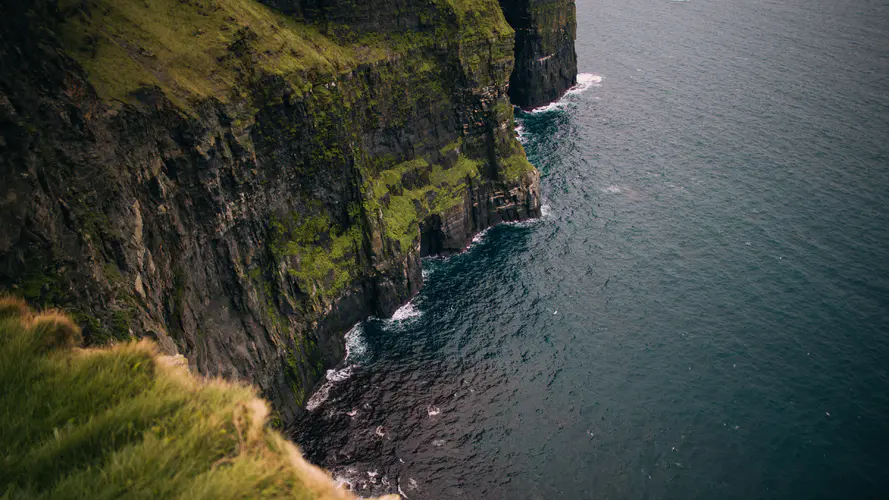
(243, 182)
(124, 421)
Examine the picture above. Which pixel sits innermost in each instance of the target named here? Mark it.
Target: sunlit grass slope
(197, 49)
(126, 422)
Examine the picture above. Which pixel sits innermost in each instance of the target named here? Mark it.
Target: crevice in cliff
(431, 237)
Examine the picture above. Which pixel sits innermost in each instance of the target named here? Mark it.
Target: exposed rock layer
(244, 187)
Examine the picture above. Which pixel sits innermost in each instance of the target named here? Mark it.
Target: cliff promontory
(243, 181)
(126, 422)
(546, 63)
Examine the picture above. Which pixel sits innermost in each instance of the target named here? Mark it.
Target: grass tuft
(11, 306)
(515, 167)
(193, 49)
(54, 330)
(127, 422)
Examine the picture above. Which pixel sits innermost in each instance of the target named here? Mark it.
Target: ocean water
(703, 310)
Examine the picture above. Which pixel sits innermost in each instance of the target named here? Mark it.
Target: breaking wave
(584, 82)
(356, 347)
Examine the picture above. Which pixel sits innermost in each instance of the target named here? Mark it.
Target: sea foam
(406, 312)
(584, 82)
(356, 347)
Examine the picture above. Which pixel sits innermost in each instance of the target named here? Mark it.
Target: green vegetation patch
(479, 19)
(515, 167)
(125, 422)
(321, 256)
(198, 49)
(404, 208)
(194, 48)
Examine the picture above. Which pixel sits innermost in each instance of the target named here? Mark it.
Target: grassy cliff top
(124, 421)
(197, 49)
(192, 48)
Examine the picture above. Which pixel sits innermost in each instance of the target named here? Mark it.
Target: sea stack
(545, 59)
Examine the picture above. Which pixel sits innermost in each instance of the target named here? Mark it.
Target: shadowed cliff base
(124, 421)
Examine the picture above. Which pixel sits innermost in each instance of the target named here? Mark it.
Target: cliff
(110, 423)
(546, 63)
(241, 182)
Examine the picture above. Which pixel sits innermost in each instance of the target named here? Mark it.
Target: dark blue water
(704, 310)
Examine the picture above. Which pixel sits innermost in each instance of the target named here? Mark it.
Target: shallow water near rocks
(703, 310)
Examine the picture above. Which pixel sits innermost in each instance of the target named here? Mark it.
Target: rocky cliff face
(546, 63)
(244, 183)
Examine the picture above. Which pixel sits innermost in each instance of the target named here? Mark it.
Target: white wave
(612, 189)
(550, 107)
(355, 343)
(523, 223)
(340, 375)
(584, 82)
(520, 134)
(323, 392)
(545, 210)
(479, 237)
(319, 396)
(353, 480)
(355, 346)
(406, 312)
(346, 477)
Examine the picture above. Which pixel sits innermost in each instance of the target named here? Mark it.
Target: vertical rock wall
(546, 63)
(244, 186)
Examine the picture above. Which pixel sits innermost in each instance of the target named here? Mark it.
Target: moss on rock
(320, 255)
(403, 207)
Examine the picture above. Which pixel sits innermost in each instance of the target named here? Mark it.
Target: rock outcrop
(243, 183)
(546, 63)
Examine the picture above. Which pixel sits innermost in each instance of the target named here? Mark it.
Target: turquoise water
(703, 312)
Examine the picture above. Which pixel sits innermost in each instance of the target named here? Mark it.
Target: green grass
(194, 48)
(515, 167)
(126, 422)
(479, 19)
(199, 49)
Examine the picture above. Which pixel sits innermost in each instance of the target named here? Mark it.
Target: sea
(702, 311)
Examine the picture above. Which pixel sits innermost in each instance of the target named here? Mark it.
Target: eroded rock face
(546, 62)
(249, 224)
